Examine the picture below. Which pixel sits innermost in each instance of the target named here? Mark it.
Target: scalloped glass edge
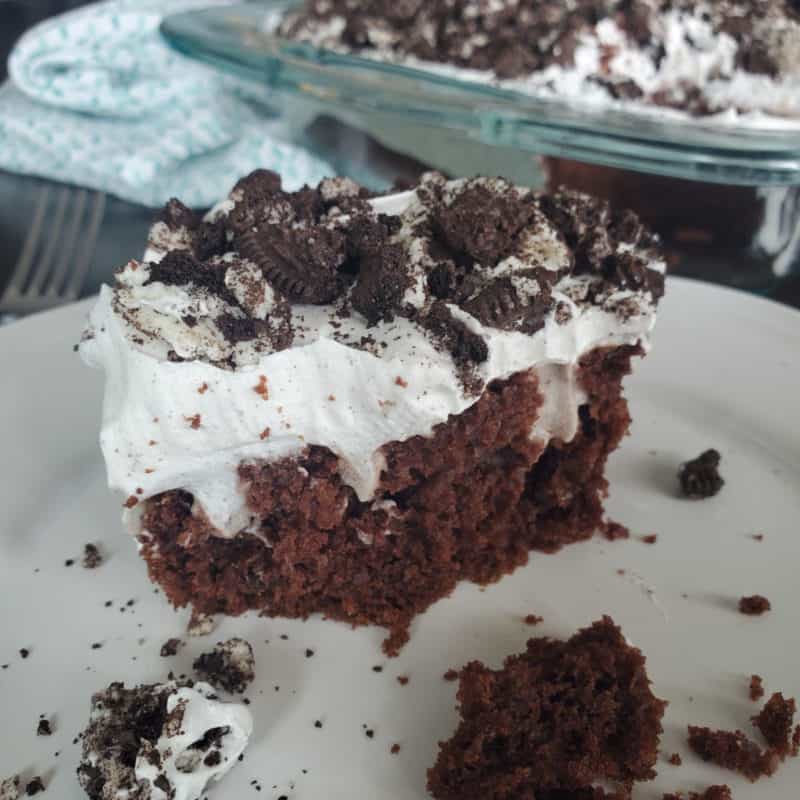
(235, 39)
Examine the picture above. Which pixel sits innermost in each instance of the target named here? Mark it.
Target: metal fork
(58, 250)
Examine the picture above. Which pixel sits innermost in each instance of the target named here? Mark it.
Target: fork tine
(25, 260)
(68, 248)
(84, 261)
(45, 259)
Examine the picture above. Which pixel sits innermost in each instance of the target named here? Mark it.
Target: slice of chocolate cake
(321, 403)
(161, 742)
(554, 721)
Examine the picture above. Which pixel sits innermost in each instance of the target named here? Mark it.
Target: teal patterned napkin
(97, 98)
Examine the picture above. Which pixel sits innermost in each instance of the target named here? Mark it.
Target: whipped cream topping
(200, 741)
(188, 769)
(185, 406)
(736, 61)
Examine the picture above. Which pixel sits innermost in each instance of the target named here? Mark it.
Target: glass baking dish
(746, 178)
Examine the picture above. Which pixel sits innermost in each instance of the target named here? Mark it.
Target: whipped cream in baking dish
(730, 61)
(320, 318)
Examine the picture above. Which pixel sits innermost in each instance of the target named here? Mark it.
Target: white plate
(724, 372)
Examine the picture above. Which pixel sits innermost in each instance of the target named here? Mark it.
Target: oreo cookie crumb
(170, 647)
(9, 788)
(92, 557)
(309, 653)
(34, 786)
(317, 723)
(700, 477)
(24, 652)
(44, 728)
(451, 675)
(369, 733)
(533, 619)
(377, 668)
(229, 666)
(754, 605)
(69, 562)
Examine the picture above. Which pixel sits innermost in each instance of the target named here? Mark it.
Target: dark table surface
(125, 225)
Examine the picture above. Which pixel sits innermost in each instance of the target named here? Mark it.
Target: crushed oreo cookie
(700, 477)
(229, 666)
(34, 786)
(92, 557)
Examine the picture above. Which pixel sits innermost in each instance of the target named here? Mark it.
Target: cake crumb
(754, 605)
(261, 387)
(170, 647)
(331, 398)
(759, 537)
(203, 388)
(131, 501)
(265, 434)
(194, 421)
(44, 728)
(614, 531)
(403, 680)
(394, 749)
(700, 477)
(651, 538)
(675, 759)
(451, 675)
(309, 652)
(229, 666)
(533, 619)
(34, 786)
(712, 793)
(92, 557)
(400, 382)
(756, 687)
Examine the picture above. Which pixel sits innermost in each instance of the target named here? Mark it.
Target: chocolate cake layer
(469, 502)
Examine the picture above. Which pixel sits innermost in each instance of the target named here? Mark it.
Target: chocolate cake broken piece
(229, 666)
(756, 687)
(552, 722)
(776, 723)
(162, 741)
(700, 477)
